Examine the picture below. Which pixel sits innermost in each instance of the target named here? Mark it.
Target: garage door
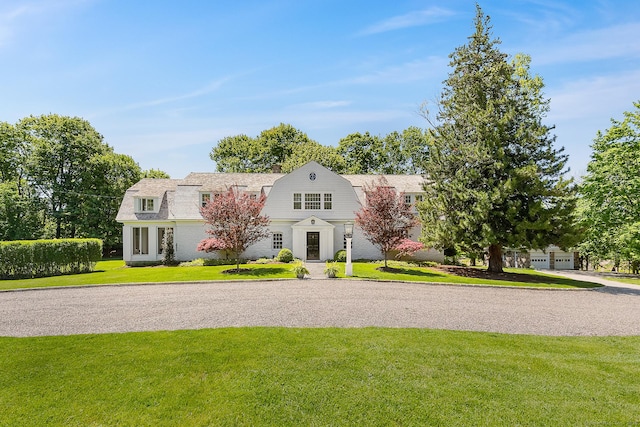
(540, 262)
(564, 262)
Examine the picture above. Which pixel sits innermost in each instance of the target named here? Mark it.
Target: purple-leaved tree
(234, 222)
(386, 218)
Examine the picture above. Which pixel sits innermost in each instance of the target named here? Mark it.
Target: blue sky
(164, 81)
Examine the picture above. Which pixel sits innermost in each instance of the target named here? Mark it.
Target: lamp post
(348, 234)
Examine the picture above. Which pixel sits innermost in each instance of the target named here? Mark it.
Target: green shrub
(340, 256)
(27, 259)
(285, 255)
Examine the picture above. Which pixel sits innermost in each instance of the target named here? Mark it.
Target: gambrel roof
(177, 201)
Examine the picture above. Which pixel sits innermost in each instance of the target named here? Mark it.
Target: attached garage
(553, 258)
(540, 261)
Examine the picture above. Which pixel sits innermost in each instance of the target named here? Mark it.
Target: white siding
(279, 205)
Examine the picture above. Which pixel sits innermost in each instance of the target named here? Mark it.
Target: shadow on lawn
(410, 272)
(257, 272)
(478, 273)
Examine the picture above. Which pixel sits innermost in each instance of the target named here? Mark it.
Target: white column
(348, 268)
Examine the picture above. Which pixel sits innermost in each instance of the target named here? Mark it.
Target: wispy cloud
(321, 105)
(411, 19)
(16, 16)
(603, 43)
(211, 87)
(402, 73)
(595, 98)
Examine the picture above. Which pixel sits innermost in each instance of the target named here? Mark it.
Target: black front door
(313, 245)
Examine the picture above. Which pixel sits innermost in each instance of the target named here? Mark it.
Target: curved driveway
(320, 303)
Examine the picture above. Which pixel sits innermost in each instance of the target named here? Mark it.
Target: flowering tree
(235, 223)
(386, 218)
(408, 247)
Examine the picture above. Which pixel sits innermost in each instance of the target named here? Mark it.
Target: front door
(313, 245)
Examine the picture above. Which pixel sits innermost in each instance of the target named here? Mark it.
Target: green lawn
(627, 280)
(280, 377)
(110, 272)
(417, 274)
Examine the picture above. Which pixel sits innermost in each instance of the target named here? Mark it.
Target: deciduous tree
(385, 219)
(609, 207)
(235, 223)
(363, 153)
(308, 151)
(494, 178)
(271, 148)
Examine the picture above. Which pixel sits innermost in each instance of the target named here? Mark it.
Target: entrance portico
(313, 239)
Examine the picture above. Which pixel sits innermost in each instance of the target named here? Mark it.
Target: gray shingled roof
(253, 182)
(403, 183)
(165, 189)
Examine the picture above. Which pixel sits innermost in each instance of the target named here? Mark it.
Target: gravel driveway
(320, 303)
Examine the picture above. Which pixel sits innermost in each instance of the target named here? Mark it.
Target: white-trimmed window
(140, 240)
(204, 199)
(419, 198)
(276, 240)
(312, 201)
(145, 204)
(328, 201)
(407, 199)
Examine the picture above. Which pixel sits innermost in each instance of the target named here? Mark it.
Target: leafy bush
(331, 269)
(285, 255)
(299, 269)
(340, 256)
(43, 258)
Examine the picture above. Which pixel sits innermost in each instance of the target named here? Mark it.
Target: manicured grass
(627, 280)
(108, 272)
(421, 274)
(281, 377)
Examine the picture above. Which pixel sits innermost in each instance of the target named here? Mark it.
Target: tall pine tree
(494, 179)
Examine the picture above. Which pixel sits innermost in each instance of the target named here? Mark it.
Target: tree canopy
(287, 148)
(58, 178)
(609, 208)
(494, 178)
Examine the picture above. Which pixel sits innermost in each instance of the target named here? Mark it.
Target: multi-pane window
(419, 198)
(327, 201)
(277, 240)
(140, 240)
(312, 201)
(204, 199)
(407, 199)
(145, 205)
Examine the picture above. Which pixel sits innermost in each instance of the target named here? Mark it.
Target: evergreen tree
(494, 177)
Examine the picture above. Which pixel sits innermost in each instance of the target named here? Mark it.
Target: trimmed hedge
(26, 259)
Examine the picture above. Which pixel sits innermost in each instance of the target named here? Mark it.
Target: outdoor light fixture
(348, 230)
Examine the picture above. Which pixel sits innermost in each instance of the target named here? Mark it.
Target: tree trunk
(495, 258)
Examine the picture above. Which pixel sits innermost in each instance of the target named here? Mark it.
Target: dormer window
(145, 205)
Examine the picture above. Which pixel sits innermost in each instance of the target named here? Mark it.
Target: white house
(307, 208)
